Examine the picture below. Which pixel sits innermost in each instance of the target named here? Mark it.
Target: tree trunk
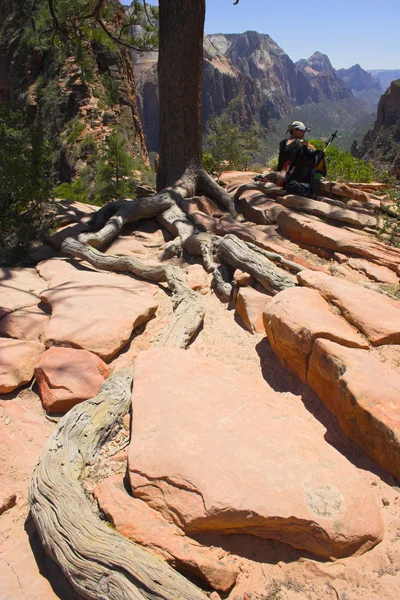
(179, 76)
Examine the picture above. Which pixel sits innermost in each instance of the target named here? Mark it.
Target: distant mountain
(362, 84)
(357, 79)
(385, 76)
(269, 86)
(325, 82)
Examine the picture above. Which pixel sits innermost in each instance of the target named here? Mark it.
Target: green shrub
(26, 184)
(87, 147)
(342, 166)
(77, 128)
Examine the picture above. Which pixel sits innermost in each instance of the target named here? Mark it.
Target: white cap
(298, 125)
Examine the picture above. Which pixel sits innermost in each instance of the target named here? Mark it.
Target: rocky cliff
(382, 143)
(324, 81)
(385, 76)
(362, 84)
(252, 67)
(73, 105)
(357, 79)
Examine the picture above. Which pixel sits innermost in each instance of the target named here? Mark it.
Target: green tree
(26, 183)
(230, 142)
(114, 171)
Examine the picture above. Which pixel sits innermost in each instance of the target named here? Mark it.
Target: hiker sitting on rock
(300, 165)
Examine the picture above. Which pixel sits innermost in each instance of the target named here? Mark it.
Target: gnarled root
(238, 254)
(100, 563)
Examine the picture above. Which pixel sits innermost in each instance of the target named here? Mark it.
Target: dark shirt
(287, 153)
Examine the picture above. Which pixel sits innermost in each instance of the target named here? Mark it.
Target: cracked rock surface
(212, 450)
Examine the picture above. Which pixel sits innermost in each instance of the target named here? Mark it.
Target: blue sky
(348, 31)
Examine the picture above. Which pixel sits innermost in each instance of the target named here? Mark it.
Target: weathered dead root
(109, 220)
(79, 542)
(99, 562)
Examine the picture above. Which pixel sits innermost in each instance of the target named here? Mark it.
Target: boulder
(377, 316)
(363, 393)
(250, 306)
(66, 376)
(308, 230)
(295, 318)
(327, 211)
(93, 311)
(24, 324)
(214, 450)
(137, 521)
(17, 362)
(19, 288)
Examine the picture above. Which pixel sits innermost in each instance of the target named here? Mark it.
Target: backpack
(300, 177)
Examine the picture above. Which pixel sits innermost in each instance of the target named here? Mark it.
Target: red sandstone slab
(19, 288)
(191, 457)
(364, 394)
(313, 232)
(295, 318)
(66, 377)
(17, 362)
(137, 521)
(327, 211)
(93, 311)
(250, 306)
(24, 324)
(256, 207)
(377, 316)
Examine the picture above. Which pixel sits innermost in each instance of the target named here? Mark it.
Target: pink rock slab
(364, 394)
(250, 306)
(24, 324)
(66, 376)
(213, 450)
(295, 318)
(377, 316)
(316, 234)
(18, 288)
(374, 272)
(93, 311)
(143, 525)
(17, 362)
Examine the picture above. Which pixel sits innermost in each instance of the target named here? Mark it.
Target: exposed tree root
(100, 563)
(238, 254)
(110, 219)
(189, 308)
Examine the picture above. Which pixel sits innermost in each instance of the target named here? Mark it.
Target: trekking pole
(330, 141)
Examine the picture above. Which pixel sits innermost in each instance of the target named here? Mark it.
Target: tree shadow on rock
(265, 551)
(281, 380)
(48, 568)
